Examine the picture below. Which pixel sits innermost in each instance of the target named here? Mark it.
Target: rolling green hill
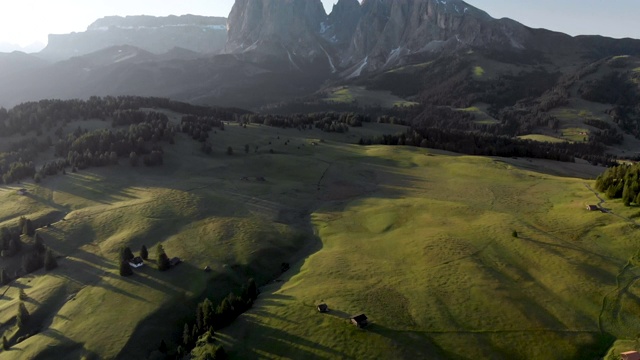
(419, 240)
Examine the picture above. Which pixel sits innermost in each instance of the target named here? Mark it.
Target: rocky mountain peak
(342, 22)
(359, 37)
(275, 26)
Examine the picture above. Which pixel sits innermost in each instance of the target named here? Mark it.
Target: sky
(24, 22)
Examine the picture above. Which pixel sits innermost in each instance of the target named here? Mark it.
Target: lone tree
(23, 315)
(163, 347)
(125, 268)
(50, 262)
(126, 254)
(514, 234)
(39, 243)
(4, 277)
(163, 259)
(22, 295)
(186, 336)
(252, 289)
(28, 228)
(5, 343)
(144, 253)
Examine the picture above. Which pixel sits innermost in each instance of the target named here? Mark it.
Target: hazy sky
(26, 21)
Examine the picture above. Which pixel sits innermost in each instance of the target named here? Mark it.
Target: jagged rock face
(357, 38)
(154, 34)
(341, 24)
(390, 29)
(276, 27)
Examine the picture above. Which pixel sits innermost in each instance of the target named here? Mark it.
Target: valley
(388, 180)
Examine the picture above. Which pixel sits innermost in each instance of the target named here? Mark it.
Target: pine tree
(28, 228)
(195, 331)
(252, 290)
(144, 253)
(5, 343)
(163, 347)
(15, 245)
(186, 336)
(125, 269)
(4, 277)
(23, 315)
(39, 243)
(208, 314)
(627, 196)
(5, 234)
(21, 223)
(50, 262)
(163, 259)
(126, 254)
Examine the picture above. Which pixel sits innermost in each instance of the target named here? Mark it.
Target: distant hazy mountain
(32, 48)
(154, 34)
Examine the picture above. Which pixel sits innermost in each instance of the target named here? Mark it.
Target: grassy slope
(364, 97)
(199, 211)
(419, 243)
(429, 257)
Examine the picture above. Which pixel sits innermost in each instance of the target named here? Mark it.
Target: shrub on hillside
(50, 262)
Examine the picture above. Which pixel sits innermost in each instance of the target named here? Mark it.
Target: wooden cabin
(360, 320)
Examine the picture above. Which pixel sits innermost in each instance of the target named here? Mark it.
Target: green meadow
(430, 257)
(420, 241)
(365, 97)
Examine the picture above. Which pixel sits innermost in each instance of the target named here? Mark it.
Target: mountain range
(278, 50)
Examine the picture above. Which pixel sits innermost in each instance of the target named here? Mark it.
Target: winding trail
(608, 211)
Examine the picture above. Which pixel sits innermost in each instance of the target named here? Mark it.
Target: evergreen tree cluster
(35, 257)
(82, 148)
(210, 317)
(326, 121)
(621, 182)
(104, 147)
(50, 114)
(11, 243)
(474, 143)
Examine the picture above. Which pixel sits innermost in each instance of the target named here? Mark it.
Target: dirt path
(608, 211)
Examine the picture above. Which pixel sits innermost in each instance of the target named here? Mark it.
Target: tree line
(34, 256)
(621, 182)
(44, 115)
(83, 148)
(210, 317)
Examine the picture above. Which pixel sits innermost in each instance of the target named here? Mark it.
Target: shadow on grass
(281, 344)
(91, 186)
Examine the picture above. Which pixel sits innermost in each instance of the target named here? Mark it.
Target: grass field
(438, 273)
(365, 97)
(541, 138)
(418, 240)
(481, 116)
(478, 71)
